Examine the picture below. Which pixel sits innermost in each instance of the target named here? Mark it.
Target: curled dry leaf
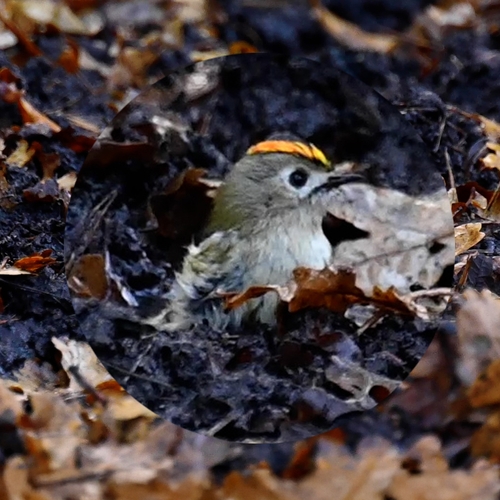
(35, 262)
(335, 290)
(23, 37)
(467, 236)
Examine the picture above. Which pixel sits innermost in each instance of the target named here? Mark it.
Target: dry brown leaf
(325, 288)
(35, 262)
(491, 127)
(492, 211)
(467, 236)
(351, 35)
(335, 290)
(16, 477)
(87, 277)
(31, 115)
(125, 407)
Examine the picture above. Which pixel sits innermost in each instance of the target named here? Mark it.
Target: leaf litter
(435, 465)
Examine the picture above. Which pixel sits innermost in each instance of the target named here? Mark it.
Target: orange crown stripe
(304, 150)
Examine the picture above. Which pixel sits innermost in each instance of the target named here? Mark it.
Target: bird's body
(248, 261)
(266, 222)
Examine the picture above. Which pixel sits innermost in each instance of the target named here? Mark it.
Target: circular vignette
(343, 337)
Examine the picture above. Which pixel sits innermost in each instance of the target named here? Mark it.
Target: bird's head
(275, 178)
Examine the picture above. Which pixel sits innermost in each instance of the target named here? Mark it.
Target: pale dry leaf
(16, 479)
(81, 356)
(478, 329)
(46, 12)
(12, 271)
(67, 181)
(21, 155)
(490, 127)
(467, 236)
(125, 407)
(492, 160)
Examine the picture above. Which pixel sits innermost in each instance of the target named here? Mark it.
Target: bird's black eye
(298, 178)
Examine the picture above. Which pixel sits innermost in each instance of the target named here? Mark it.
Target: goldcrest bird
(266, 222)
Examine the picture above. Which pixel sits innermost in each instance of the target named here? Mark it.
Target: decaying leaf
(467, 236)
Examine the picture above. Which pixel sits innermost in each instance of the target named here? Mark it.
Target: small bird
(266, 221)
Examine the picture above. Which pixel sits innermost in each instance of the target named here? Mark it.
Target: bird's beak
(334, 181)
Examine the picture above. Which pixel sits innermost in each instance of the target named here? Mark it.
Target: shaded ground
(254, 384)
